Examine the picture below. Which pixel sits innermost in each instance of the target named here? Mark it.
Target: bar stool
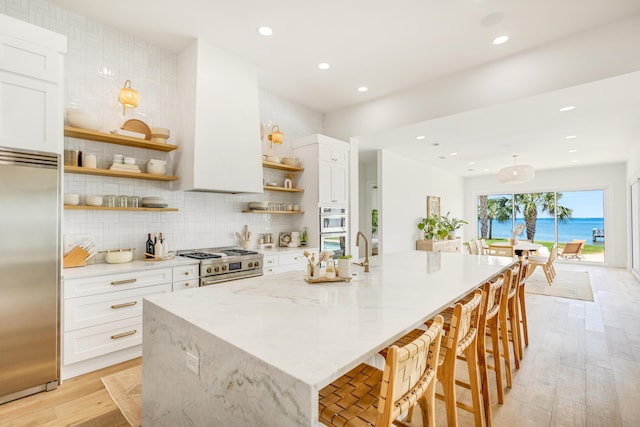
(366, 396)
(523, 307)
(508, 318)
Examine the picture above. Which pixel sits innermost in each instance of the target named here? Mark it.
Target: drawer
(98, 309)
(98, 340)
(186, 284)
(269, 261)
(74, 288)
(290, 258)
(270, 270)
(186, 272)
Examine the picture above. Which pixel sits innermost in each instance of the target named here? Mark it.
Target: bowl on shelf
(71, 199)
(272, 159)
(93, 200)
(129, 160)
(84, 119)
(258, 206)
(291, 161)
(159, 134)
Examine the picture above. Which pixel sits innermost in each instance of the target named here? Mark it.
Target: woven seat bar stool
(489, 322)
(366, 396)
(523, 307)
(509, 320)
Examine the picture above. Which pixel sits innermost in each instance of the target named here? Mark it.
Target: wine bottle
(157, 247)
(149, 246)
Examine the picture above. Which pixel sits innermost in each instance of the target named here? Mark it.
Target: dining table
(257, 351)
(521, 248)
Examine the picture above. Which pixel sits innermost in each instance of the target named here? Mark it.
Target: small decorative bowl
(71, 199)
(93, 200)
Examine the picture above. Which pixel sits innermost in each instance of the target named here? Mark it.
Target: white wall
(610, 177)
(203, 219)
(404, 185)
(581, 58)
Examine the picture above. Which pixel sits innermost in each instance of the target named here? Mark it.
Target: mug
(89, 161)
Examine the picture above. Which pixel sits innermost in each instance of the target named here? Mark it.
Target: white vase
(156, 167)
(344, 267)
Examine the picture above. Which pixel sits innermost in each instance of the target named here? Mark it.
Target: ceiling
(389, 46)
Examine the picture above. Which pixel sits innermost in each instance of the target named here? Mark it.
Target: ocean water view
(575, 228)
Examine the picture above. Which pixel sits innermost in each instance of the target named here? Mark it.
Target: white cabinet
(333, 183)
(102, 318)
(186, 277)
(218, 122)
(31, 79)
(287, 261)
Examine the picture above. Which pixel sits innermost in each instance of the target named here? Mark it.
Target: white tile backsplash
(99, 60)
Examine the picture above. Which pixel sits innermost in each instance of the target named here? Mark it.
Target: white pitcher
(156, 167)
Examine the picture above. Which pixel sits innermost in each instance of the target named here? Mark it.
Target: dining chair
(572, 250)
(480, 248)
(473, 249)
(546, 263)
(501, 251)
(367, 396)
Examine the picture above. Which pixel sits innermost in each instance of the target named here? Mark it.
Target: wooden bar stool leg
(514, 332)
(504, 335)
(497, 357)
(448, 381)
(471, 355)
(523, 312)
(427, 405)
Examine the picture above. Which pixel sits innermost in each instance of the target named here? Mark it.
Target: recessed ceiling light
(485, 170)
(570, 136)
(363, 89)
(568, 108)
(500, 40)
(420, 137)
(324, 66)
(573, 151)
(265, 31)
(453, 154)
(470, 170)
(575, 161)
(472, 163)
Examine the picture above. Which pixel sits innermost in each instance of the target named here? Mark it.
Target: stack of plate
(154, 202)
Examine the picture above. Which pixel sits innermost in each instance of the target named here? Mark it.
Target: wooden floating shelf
(107, 208)
(118, 174)
(112, 138)
(281, 167)
(272, 212)
(284, 189)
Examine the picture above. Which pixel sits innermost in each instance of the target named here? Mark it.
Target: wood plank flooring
(582, 368)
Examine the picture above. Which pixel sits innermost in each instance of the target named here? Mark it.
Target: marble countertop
(138, 265)
(316, 332)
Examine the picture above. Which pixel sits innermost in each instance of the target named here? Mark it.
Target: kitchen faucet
(366, 251)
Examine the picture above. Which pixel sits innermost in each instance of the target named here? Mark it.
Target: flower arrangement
(515, 233)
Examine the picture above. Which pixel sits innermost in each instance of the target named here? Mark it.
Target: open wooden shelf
(118, 174)
(112, 138)
(281, 167)
(258, 211)
(107, 208)
(284, 189)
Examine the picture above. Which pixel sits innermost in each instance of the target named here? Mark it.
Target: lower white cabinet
(102, 317)
(288, 261)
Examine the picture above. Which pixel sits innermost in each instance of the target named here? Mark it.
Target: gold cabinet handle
(186, 273)
(124, 334)
(124, 282)
(124, 304)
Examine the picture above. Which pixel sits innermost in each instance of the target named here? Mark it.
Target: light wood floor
(582, 368)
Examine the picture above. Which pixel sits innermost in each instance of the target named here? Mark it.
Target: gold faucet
(366, 250)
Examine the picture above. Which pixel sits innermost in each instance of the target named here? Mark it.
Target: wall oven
(335, 242)
(333, 220)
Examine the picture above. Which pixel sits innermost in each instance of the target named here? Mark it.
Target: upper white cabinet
(31, 77)
(326, 162)
(219, 122)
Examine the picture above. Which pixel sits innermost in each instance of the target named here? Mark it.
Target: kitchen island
(256, 351)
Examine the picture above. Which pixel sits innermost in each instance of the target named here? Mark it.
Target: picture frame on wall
(433, 206)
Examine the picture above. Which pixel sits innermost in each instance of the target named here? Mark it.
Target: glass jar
(109, 201)
(134, 202)
(123, 201)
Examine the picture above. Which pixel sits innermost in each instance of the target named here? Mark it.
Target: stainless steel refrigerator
(29, 272)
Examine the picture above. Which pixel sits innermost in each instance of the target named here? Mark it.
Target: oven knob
(209, 270)
(216, 269)
(250, 264)
(224, 268)
(256, 263)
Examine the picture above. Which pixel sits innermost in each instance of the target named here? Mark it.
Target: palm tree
(529, 203)
(498, 209)
(483, 215)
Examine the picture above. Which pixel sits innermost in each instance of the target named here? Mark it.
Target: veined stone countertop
(276, 333)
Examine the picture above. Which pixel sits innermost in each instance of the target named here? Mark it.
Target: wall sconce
(128, 97)
(276, 137)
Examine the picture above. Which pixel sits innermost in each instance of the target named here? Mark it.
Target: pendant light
(516, 174)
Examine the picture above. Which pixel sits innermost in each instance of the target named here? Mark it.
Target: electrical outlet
(193, 363)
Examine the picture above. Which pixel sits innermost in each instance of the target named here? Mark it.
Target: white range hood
(218, 122)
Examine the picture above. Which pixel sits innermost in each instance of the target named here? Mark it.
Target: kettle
(156, 167)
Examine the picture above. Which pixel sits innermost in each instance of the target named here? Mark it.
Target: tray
(326, 280)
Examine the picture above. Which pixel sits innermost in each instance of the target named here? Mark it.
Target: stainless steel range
(224, 264)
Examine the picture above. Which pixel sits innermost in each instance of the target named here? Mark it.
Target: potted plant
(344, 266)
(440, 227)
(304, 235)
(451, 224)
